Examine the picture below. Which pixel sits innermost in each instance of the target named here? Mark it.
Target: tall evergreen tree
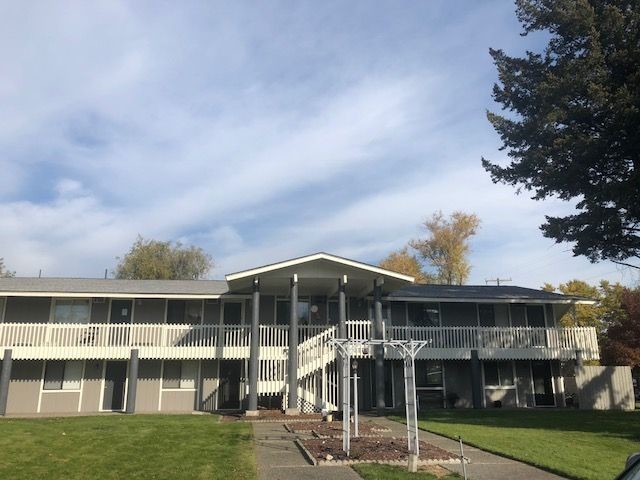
(572, 129)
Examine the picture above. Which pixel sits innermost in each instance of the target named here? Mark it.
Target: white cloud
(259, 134)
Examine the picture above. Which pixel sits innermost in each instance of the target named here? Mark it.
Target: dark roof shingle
(113, 286)
(480, 292)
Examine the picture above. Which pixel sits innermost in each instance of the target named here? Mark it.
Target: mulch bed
(371, 450)
(271, 416)
(334, 429)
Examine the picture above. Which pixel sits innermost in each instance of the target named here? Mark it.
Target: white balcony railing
(115, 341)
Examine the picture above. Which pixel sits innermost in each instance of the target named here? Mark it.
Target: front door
(230, 384)
(115, 379)
(542, 384)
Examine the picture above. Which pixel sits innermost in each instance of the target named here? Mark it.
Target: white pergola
(408, 349)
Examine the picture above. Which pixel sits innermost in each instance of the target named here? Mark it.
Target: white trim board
(179, 296)
(318, 256)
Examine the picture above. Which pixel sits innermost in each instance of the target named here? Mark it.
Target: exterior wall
(457, 379)
(92, 386)
(208, 385)
(24, 388)
(59, 402)
(178, 400)
(458, 314)
(149, 310)
(149, 382)
(27, 310)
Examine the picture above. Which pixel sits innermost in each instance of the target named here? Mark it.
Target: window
(2, 302)
(179, 374)
(518, 318)
(498, 374)
(333, 315)
(535, 316)
(72, 311)
(184, 311)
(62, 375)
(283, 309)
(232, 313)
(428, 373)
(486, 315)
(423, 314)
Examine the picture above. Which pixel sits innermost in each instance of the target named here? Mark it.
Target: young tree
(584, 315)
(621, 346)
(574, 122)
(402, 261)
(3, 271)
(447, 245)
(152, 259)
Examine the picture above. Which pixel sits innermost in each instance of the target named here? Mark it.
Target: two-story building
(258, 339)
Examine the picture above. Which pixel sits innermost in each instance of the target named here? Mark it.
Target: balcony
(161, 341)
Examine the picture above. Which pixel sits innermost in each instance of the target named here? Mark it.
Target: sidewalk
(483, 466)
(278, 458)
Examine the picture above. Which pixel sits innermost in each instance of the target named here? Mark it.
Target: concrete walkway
(483, 465)
(279, 458)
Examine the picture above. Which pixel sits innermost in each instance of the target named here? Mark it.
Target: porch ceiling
(318, 274)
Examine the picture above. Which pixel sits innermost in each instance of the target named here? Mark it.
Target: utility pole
(497, 280)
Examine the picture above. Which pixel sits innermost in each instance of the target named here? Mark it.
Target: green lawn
(132, 447)
(578, 444)
(370, 471)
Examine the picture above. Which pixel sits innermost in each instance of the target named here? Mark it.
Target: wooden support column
(342, 329)
(476, 380)
(132, 386)
(379, 349)
(5, 379)
(254, 351)
(292, 400)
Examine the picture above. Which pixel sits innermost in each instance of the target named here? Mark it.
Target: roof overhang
(317, 274)
(561, 301)
(181, 296)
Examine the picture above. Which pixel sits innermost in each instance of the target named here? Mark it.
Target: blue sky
(259, 131)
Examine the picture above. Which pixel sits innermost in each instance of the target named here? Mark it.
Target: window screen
(423, 314)
(232, 313)
(171, 374)
(71, 311)
(486, 315)
(518, 318)
(62, 375)
(193, 312)
(283, 307)
(428, 373)
(179, 374)
(176, 311)
(498, 374)
(535, 316)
